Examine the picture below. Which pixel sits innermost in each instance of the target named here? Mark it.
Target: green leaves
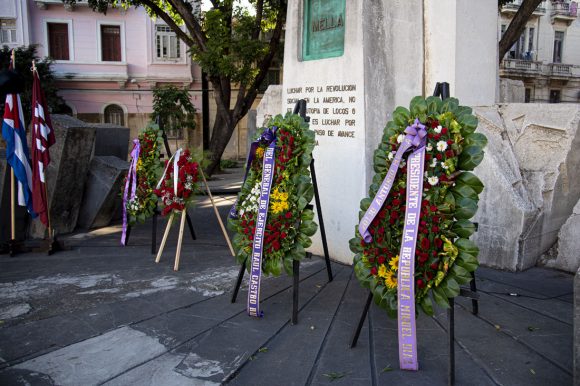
(401, 116)
(471, 180)
(463, 228)
(465, 208)
(470, 157)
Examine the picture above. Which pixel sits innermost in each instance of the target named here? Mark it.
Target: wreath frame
(445, 257)
(290, 224)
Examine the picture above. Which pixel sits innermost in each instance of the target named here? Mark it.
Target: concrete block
(112, 140)
(270, 105)
(566, 253)
(101, 200)
(66, 175)
(511, 91)
(530, 192)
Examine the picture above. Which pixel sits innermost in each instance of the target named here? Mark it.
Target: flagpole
(12, 187)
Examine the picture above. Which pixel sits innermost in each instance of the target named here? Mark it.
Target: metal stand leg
(474, 302)
(295, 289)
(190, 225)
(451, 338)
(154, 233)
(128, 234)
(239, 282)
(321, 221)
(361, 321)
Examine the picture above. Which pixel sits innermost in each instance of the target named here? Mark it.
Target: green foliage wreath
(289, 224)
(445, 257)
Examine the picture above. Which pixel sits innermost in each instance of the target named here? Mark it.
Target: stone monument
(354, 62)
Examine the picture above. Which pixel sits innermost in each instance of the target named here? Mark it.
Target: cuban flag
(14, 134)
(42, 139)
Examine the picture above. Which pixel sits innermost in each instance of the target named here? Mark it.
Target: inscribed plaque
(323, 33)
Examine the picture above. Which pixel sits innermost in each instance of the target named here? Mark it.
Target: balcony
(512, 8)
(42, 4)
(523, 68)
(564, 11)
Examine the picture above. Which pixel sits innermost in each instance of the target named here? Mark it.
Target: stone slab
(270, 105)
(304, 340)
(98, 359)
(112, 140)
(66, 175)
(567, 250)
(102, 201)
(511, 91)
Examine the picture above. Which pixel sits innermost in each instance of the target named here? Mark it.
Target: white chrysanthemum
(400, 138)
(188, 185)
(391, 156)
(434, 163)
(433, 180)
(441, 145)
(438, 129)
(429, 147)
(444, 166)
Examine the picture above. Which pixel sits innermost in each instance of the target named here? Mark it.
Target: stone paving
(99, 314)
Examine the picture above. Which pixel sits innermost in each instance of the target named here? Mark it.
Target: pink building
(107, 65)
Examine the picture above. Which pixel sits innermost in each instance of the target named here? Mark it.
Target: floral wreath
(289, 223)
(445, 257)
(178, 197)
(149, 169)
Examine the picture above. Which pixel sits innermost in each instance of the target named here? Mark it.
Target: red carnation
(288, 215)
(374, 271)
(425, 244)
(434, 265)
(449, 153)
(439, 156)
(444, 130)
(283, 235)
(437, 137)
(420, 283)
(396, 202)
(429, 275)
(450, 142)
(438, 243)
(433, 208)
(435, 229)
(381, 259)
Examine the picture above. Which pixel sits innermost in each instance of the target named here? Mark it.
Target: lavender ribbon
(132, 182)
(406, 270)
(415, 137)
(257, 247)
(267, 136)
(175, 157)
(416, 134)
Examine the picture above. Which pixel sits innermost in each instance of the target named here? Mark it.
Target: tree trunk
(517, 26)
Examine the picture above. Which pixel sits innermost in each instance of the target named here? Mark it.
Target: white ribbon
(175, 157)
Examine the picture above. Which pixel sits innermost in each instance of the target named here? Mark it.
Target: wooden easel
(299, 108)
(441, 90)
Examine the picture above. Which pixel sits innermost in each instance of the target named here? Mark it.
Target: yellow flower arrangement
(260, 153)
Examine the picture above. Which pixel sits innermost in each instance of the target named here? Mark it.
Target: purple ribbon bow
(130, 183)
(267, 137)
(417, 132)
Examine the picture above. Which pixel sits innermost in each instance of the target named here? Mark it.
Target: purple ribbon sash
(415, 137)
(132, 183)
(257, 250)
(268, 135)
(406, 271)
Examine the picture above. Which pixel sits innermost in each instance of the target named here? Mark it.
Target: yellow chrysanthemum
(139, 163)
(394, 263)
(259, 152)
(391, 280)
(382, 272)
(279, 206)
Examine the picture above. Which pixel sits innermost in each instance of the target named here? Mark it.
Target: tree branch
(167, 19)
(191, 23)
(259, 16)
(517, 26)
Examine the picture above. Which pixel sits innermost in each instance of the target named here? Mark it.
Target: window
(528, 95)
(167, 44)
(111, 43)
(58, 44)
(558, 46)
(114, 114)
(554, 96)
(531, 39)
(7, 31)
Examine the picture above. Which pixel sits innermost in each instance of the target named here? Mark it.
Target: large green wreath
(289, 224)
(149, 170)
(445, 257)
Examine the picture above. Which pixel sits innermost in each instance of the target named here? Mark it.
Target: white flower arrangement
(441, 145)
(438, 129)
(433, 180)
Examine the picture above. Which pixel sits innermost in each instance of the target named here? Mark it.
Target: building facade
(546, 58)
